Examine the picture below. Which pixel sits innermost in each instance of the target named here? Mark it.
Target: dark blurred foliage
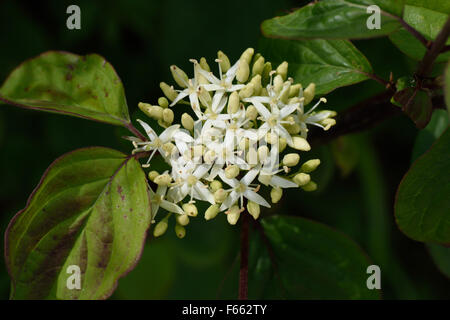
(358, 176)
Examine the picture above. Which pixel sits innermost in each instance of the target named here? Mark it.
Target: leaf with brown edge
(61, 82)
(90, 209)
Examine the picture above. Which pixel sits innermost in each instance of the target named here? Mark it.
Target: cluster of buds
(244, 129)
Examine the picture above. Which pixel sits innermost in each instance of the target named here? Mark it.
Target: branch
(414, 32)
(135, 131)
(243, 270)
(431, 55)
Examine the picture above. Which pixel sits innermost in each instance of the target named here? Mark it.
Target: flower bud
(220, 195)
(212, 212)
(160, 228)
(145, 108)
(163, 179)
(243, 71)
(293, 128)
(275, 194)
(278, 83)
(294, 90)
(163, 124)
(167, 116)
(187, 121)
(190, 209)
(233, 215)
(251, 112)
(265, 76)
(233, 102)
(180, 231)
(224, 61)
(263, 152)
(302, 179)
(168, 91)
(247, 91)
(264, 178)
(310, 165)
(204, 96)
(300, 143)
(152, 175)
(163, 102)
(204, 64)
(309, 93)
(282, 70)
(247, 55)
(254, 209)
(310, 186)
(256, 81)
(282, 144)
(258, 66)
(182, 219)
(243, 144)
(291, 159)
(215, 185)
(252, 156)
(179, 76)
(231, 171)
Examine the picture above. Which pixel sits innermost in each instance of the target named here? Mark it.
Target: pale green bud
(300, 143)
(233, 215)
(278, 83)
(182, 219)
(265, 76)
(220, 195)
(293, 128)
(190, 209)
(224, 61)
(302, 179)
(163, 124)
(310, 165)
(256, 81)
(309, 93)
(263, 152)
(160, 228)
(244, 144)
(247, 91)
(283, 69)
(204, 64)
(156, 112)
(180, 231)
(163, 179)
(233, 102)
(310, 186)
(167, 116)
(284, 96)
(271, 137)
(264, 178)
(215, 185)
(251, 112)
(204, 96)
(247, 55)
(152, 175)
(187, 122)
(258, 66)
(231, 171)
(179, 76)
(291, 159)
(243, 71)
(168, 91)
(276, 194)
(282, 143)
(163, 102)
(294, 90)
(252, 156)
(212, 212)
(254, 209)
(145, 108)
(264, 92)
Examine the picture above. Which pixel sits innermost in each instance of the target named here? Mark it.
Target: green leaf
(428, 23)
(61, 82)
(312, 262)
(436, 5)
(441, 257)
(335, 19)
(330, 64)
(422, 203)
(416, 104)
(90, 209)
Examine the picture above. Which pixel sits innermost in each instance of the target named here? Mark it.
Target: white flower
(187, 176)
(225, 82)
(157, 199)
(320, 119)
(242, 189)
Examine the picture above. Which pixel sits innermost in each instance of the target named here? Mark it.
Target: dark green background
(141, 39)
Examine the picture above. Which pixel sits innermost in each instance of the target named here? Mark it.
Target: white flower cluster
(241, 123)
